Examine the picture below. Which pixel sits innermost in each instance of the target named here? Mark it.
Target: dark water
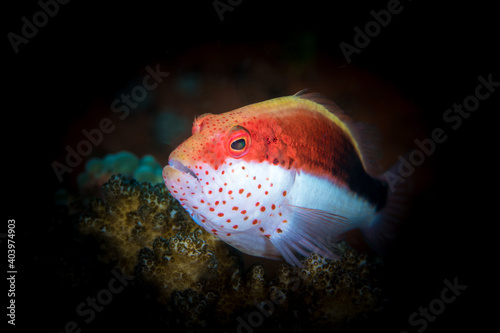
(66, 78)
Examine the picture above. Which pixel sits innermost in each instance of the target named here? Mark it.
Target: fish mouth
(177, 165)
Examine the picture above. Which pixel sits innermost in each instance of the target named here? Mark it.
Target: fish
(280, 179)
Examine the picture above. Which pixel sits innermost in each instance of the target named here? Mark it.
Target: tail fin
(386, 224)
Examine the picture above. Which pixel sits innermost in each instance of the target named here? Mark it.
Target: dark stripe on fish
(349, 169)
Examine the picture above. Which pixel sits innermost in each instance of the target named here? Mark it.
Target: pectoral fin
(308, 231)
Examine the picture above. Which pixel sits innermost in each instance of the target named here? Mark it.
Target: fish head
(222, 175)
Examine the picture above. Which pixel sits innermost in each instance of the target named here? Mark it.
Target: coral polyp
(200, 280)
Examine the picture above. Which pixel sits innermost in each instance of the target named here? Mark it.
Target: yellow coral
(200, 279)
(130, 217)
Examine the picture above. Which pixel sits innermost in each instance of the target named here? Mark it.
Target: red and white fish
(278, 179)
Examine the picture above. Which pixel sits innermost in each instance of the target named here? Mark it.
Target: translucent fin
(386, 224)
(364, 136)
(310, 230)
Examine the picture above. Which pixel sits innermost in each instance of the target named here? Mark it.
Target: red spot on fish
(249, 194)
(279, 231)
(223, 172)
(212, 209)
(220, 214)
(273, 207)
(266, 193)
(228, 220)
(228, 234)
(257, 204)
(262, 209)
(235, 226)
(284, 193)
(235, 208)
(202, 201)
(255, 222)
(259, 186)
(216, 203)
(209, 192)
(206, 172)
(261, 229)
(194, 207)
(245, 218)
(285, 221)
(220, 190)
(241, 191)
(230, 192)
(243, 212)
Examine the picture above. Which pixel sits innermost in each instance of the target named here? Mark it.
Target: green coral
(200, 279)
(99, 170)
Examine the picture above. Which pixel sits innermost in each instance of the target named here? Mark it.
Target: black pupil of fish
(238, 144)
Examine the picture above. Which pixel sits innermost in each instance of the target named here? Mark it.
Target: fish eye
(238, 144)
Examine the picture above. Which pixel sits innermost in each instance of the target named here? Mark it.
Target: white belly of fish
(307, 219)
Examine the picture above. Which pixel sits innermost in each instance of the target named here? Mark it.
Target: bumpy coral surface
(200, 280)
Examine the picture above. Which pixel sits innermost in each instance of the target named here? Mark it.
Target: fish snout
(169, 173)
(176, 169)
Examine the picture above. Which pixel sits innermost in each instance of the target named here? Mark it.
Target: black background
(432, 52)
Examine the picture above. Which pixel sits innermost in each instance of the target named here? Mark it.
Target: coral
(98, 171)
(200, 279)
(338, 289)
(133, 216)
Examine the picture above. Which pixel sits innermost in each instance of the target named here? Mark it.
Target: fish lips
(175, 168)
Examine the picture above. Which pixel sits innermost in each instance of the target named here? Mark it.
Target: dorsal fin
(364, 137)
